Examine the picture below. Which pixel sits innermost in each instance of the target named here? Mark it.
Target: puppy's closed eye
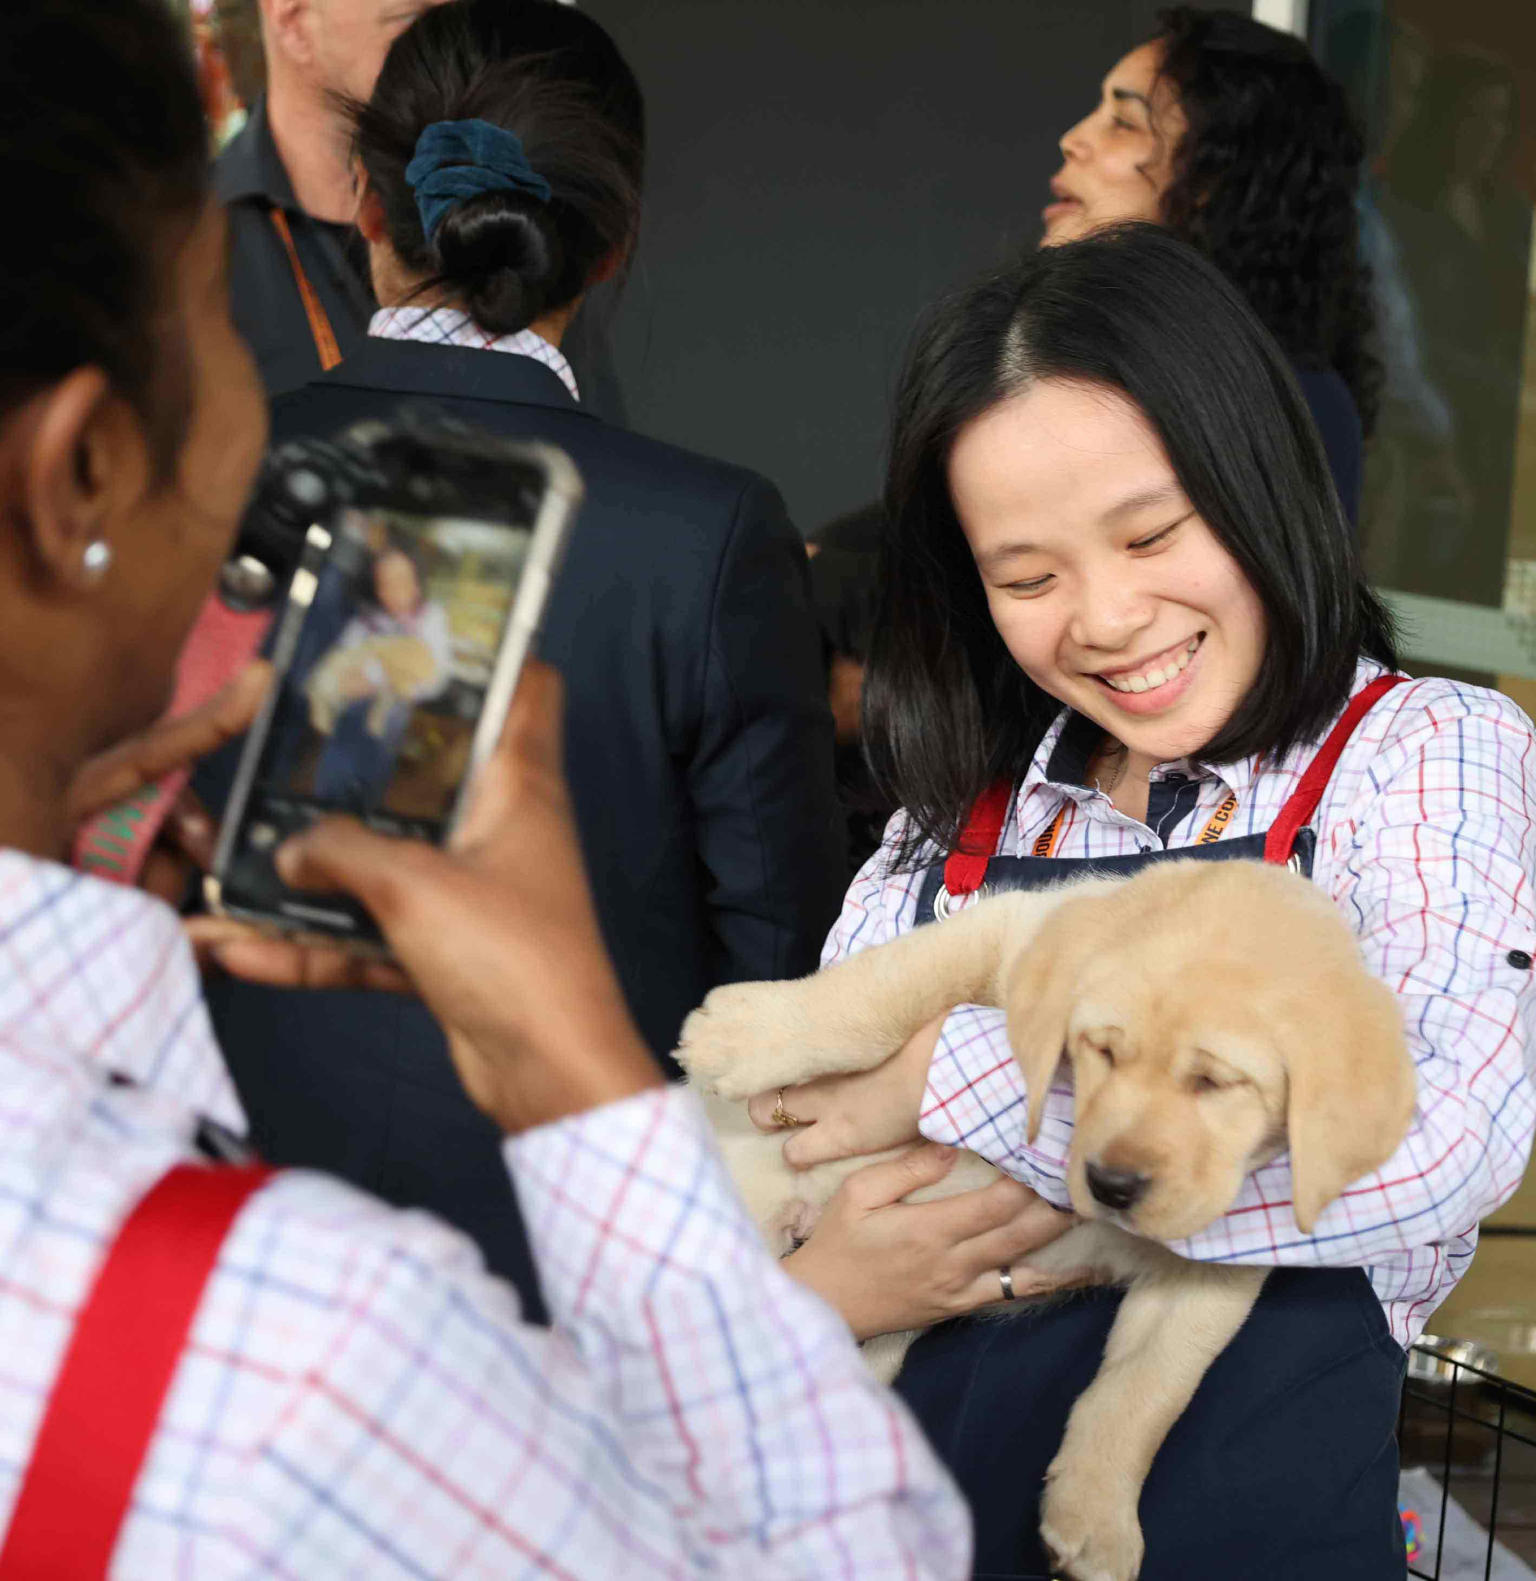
(1206, 1073)
(1203, 1082)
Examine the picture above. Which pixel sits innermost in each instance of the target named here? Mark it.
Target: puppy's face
(1213, 1016)
(1179, 1094)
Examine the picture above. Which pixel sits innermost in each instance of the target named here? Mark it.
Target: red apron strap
(1303, 801)
(106, 1401)
(967, 864)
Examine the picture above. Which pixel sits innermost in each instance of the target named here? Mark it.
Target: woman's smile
(1151, 685)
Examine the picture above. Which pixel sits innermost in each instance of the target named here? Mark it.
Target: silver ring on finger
(1005, 1278)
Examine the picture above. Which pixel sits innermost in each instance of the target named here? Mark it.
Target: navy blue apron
(1284, 1467)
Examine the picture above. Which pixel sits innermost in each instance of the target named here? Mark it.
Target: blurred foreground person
(355, 1394)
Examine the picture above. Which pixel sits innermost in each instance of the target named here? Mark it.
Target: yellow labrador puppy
(1212, 1015)
(384, 669)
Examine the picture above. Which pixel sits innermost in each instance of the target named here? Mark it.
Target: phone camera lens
(246, 582)
(308, 488)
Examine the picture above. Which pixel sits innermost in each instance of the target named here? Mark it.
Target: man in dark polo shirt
(269, 307)
(298, 271)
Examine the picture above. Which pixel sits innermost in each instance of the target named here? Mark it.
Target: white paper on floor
(1465, 1555)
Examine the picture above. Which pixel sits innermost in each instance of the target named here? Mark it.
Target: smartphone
(424, 560)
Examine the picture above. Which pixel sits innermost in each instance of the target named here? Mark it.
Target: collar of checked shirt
(452, 326)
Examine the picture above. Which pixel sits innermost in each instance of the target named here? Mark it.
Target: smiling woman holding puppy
(1124, 621)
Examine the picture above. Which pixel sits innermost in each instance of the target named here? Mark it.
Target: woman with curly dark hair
(1232, 136)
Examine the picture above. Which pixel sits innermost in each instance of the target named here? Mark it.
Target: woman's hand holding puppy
(887, 1265)
(848, 1116)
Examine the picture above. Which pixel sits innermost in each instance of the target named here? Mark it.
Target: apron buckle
(945, 904)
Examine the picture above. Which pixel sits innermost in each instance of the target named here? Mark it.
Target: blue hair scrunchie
(455, 160)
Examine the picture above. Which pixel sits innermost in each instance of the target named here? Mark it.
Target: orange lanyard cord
(326, 347)
(1045, 842)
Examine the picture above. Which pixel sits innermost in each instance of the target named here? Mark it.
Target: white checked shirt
(358, 1398)
(451, 326)
(1427, 842)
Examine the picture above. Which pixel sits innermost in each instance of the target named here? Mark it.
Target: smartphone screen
(378, 707)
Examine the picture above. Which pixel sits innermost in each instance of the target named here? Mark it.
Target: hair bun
(501, 254)
(507, 158)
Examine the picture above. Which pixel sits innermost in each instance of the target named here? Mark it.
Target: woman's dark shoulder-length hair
(1265, 184)
(1133, 309)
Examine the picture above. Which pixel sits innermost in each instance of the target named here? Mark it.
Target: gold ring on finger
(781, 1116)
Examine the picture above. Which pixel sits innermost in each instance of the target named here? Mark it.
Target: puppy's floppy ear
(1352, 1085)
(1042, 988)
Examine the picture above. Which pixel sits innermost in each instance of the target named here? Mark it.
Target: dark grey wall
(820, 170)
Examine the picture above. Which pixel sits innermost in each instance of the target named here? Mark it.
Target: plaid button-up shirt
(1427, 842)
(358, 1397)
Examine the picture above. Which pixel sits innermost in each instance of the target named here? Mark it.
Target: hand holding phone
(130, 770)
(497, 932)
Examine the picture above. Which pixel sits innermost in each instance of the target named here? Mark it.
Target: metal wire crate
(1469, 1437)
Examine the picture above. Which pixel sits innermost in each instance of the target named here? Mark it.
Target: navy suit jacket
(699, 751)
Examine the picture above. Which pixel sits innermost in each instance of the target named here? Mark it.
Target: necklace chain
(1105, 784)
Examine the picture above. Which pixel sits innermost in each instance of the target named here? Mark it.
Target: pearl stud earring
(97, 557)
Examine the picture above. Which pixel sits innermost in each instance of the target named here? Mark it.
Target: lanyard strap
(326, 347)
(118, 1366)
(1216, 826)
(966, 867)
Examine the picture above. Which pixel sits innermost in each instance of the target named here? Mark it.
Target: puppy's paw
(1090, 1528)
(747, 1038)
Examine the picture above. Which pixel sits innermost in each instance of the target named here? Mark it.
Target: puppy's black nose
(1116, 1188)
